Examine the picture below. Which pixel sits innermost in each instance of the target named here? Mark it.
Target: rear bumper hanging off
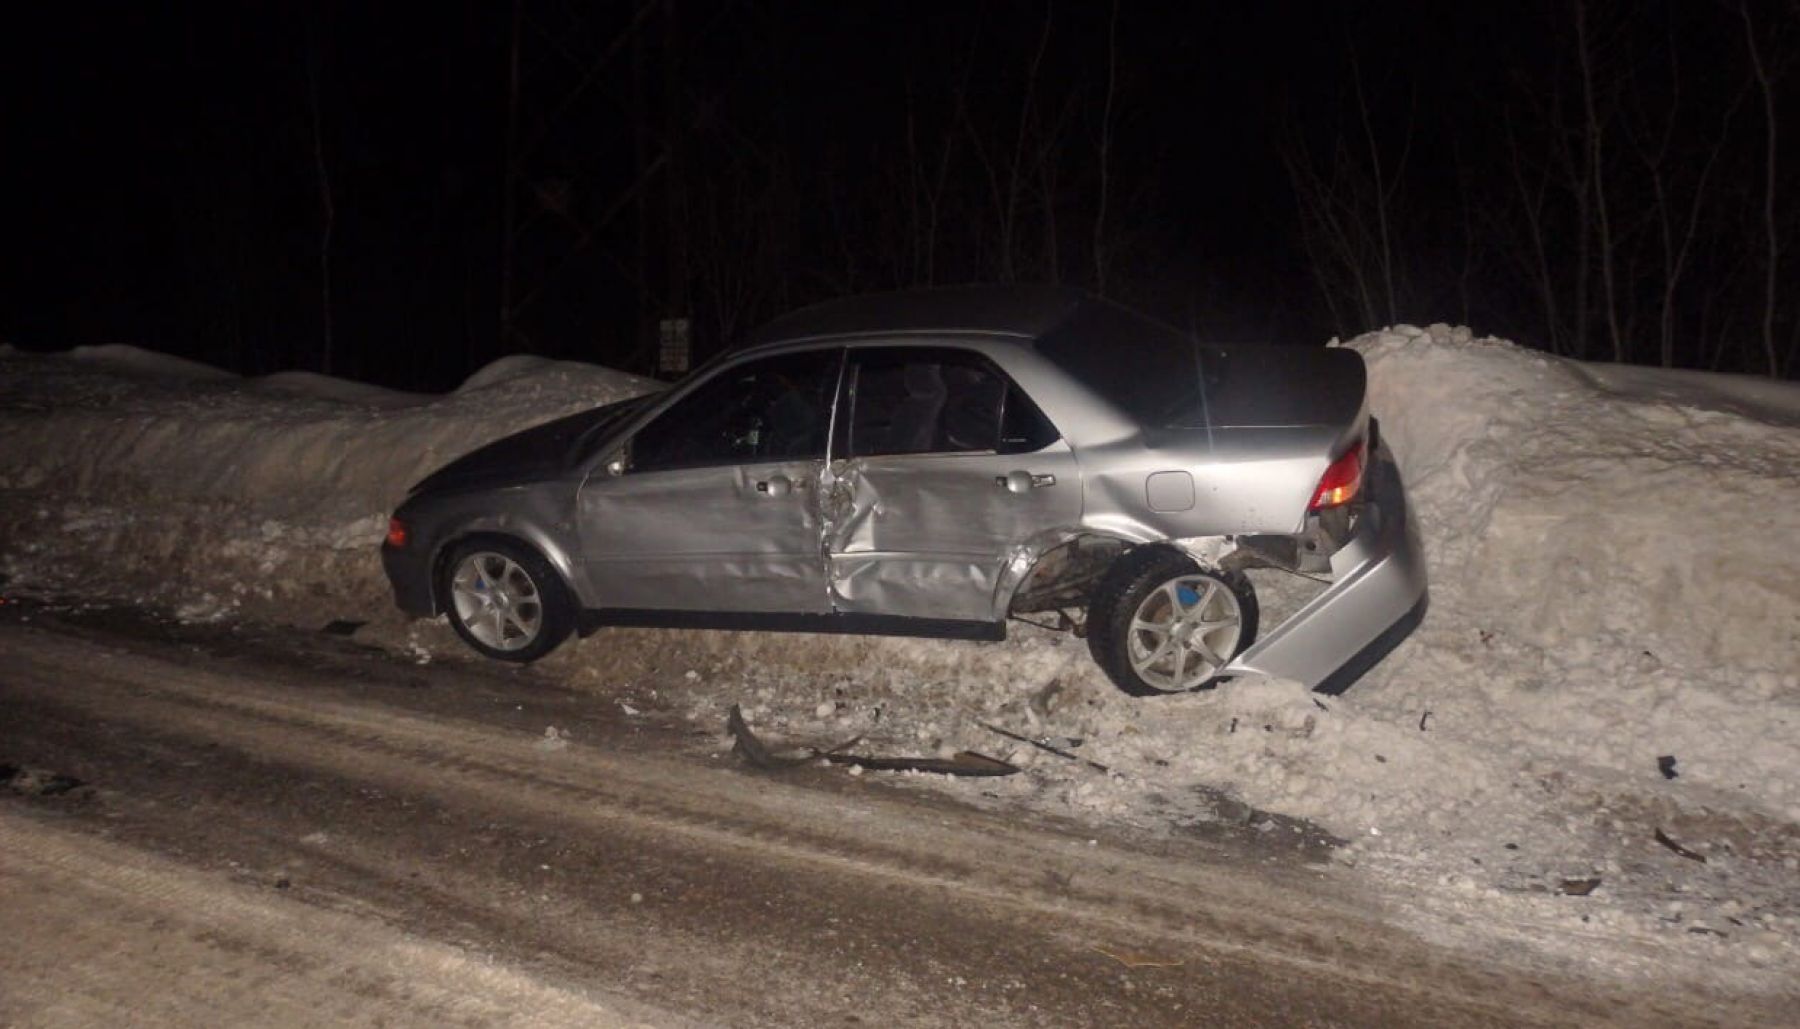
(1377, 597)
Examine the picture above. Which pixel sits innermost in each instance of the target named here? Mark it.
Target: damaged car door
(714, 505)
(940, 466)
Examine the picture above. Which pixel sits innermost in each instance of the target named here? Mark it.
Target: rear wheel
(1159, 623)
(505, 600)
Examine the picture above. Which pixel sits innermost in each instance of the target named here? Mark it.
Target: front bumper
(409, 572)
(1377, 597)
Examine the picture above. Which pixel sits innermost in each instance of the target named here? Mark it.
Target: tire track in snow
(118, 936)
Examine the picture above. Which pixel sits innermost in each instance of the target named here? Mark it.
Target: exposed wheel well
(1142, 554)
(1064, 575)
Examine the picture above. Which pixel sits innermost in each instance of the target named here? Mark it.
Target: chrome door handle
(1019, 482)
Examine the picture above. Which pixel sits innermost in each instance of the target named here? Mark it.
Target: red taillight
(1342, 480)
(396, 536)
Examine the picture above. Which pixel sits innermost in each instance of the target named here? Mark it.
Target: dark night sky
(158, 180)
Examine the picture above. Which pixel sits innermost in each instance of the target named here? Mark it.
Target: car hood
(542, 452)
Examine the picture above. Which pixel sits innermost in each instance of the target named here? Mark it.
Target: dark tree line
(403, 193)
(1611, 182)
(1627, 193)
(995, 160)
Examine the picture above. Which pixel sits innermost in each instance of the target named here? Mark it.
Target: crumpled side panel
(940, 535)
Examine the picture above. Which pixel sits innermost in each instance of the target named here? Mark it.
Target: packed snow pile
(1660, 511)
(137, 474)
(1606, 689)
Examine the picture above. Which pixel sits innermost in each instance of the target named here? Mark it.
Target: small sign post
(676, 350)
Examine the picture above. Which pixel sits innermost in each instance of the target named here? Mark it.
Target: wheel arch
(1029, 574)
(518, 535)
(1045, 565)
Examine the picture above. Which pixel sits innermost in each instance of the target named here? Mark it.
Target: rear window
(933, 400)
(1146, 369)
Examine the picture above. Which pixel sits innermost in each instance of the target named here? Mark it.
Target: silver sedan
(935, 463)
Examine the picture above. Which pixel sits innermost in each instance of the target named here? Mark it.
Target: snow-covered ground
(1615, 582)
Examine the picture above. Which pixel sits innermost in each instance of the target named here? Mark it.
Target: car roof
(1024, 312)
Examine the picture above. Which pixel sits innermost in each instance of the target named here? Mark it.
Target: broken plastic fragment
(758, 755)
(964, 762)
(1663, 838)
(1136, 959)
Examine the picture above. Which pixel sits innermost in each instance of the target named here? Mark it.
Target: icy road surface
(288, 828)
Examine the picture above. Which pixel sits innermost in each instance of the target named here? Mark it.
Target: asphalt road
(288, 828)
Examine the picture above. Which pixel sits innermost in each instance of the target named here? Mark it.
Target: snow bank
(327, 387)
(127, 359)
(1615, 581)
(1653, 515)
(138, 474)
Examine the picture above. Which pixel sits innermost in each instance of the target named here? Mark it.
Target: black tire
(1127, 585)
(531, 586)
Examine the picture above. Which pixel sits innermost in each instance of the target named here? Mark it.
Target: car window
(775, 409)
(936, 401)
(1023, 427)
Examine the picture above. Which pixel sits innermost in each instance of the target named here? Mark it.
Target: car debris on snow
(37, 782)
(1135, 959)
(1663, 838)
(1046, 746)
(758, 755)
(963, 762)
(1666, 765)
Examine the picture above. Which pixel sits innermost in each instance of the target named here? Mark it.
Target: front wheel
(1159, 623)
(505, 600)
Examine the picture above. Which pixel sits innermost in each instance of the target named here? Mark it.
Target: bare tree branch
(1105, 155)
(1771, 241)
(1596, 132)
(327, 206)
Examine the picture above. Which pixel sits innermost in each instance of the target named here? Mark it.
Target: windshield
(606, 419)
(1141, 366)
